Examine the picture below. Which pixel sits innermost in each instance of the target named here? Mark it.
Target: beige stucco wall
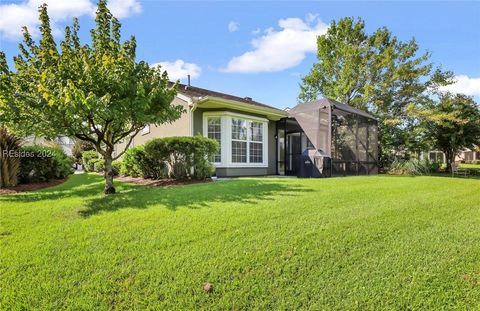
(181, 127)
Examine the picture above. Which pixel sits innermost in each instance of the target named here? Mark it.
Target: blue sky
(261, 49)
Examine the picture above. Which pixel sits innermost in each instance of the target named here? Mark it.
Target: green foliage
(96, 92)
(173, 157)
(98, 165)
(42, 163)
(88, 159)
(186, 157)
(452, 123)
(414, 167)
(79, 147)
(377, 73)
(360, 243)
(9, 162)
(116, 167)
(135, 163)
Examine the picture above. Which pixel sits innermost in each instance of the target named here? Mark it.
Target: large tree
(452, 123)
(377, 72)
(97, 93)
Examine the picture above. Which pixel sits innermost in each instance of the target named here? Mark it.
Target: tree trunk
(109, 188)
(450, 157)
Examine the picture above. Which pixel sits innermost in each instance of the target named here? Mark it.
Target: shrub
(184, 157)
(412, 167)
(476, 162)
(79, 148)
(9, 165)
(435, 166)
(98, 165)
(41, 163)
(177, 157)
(88, 158)
(116, 166)
(133, 163)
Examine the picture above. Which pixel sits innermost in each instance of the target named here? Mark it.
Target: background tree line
(397, 84)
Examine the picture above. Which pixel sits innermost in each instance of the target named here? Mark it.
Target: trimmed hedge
(98, 165)
(42, 163)
(93, 162)
(89, 158)
(172, 157)
(135, 163)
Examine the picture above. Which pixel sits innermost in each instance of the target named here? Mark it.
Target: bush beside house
(171, 157)
(30, 164)
(42, 163)
(89, 158)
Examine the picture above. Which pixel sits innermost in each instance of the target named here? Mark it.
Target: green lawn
(473, 168)
(381, 242)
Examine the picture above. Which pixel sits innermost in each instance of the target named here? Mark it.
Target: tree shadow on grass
(84, 185)
(247, 191)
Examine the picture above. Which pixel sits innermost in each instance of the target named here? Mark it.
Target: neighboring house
(256, 139)
(63, 142)
(465, 156)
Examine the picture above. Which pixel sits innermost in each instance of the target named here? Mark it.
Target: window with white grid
(247, 141)
(214, 131)
(256, 142)
(239, 140)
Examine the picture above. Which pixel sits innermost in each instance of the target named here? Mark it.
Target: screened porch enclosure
(326, 138)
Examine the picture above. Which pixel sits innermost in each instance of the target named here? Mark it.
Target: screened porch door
(293, 152)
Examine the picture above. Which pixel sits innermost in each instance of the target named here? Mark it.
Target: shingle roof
(193, 91)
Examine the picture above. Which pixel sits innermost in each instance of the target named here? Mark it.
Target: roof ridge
(195, 91)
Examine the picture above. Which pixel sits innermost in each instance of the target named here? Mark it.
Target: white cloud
(465, 85)
(277, 50)
(124, 8)
(256, 31)
(179, 69)
(14, 16)
(310, 18)
(233, 26)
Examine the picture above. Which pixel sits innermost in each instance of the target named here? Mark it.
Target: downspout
(193, 105)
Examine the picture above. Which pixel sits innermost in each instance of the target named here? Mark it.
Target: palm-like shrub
(9, 159)
(413, 167)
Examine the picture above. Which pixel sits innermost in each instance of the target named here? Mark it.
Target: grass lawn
(471, 166)
(381, 242)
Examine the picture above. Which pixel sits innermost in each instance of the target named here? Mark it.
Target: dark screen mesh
(354, 144)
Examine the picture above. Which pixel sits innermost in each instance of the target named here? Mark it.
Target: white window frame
(226, 138)
(205, 133)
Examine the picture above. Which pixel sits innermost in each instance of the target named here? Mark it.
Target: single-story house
(465, 156)
(317, 139)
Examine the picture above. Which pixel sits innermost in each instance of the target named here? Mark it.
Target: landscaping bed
(31, 186)
(160, 182)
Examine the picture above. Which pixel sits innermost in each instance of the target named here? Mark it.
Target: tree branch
(128, 145)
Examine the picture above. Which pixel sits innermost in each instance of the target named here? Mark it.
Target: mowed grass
(379, 242)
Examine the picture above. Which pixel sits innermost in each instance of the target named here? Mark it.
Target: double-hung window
(214, 131)
(247, 141)
(239, 140)
(256, 142)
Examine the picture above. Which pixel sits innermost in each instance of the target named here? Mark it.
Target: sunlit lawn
(381, 242)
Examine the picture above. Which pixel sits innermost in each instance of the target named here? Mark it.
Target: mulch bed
(31, 186)
(160, 182)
